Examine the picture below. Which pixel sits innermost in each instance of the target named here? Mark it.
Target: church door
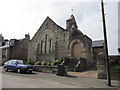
(76, 52)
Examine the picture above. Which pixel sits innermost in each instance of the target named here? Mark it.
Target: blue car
(18, 66)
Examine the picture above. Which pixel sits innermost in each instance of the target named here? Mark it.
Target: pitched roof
(98, 43)
(48, 19)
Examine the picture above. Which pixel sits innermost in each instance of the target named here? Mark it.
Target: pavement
(87, 74)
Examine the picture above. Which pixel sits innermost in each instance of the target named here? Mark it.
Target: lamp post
(106, 46)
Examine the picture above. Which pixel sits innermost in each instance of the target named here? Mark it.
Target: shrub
(32, 62)
(114, 62)
(59, 61)
(38, 63)
(43, 63)
(48, 64)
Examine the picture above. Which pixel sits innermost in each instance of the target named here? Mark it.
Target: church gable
(48, 24)
(43, 44)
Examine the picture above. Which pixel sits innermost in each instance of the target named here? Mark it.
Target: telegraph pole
(106, 46)
(119, 50)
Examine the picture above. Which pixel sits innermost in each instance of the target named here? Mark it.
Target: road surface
(15, 80)
(46, 80)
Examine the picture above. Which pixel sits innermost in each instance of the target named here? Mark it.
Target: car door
(13, 65)
(9, 64)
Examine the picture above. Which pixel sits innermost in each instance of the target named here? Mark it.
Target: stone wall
(101, 67)
(46, 69)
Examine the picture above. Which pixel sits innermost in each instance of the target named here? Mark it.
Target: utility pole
(106, 46)
(119, 50)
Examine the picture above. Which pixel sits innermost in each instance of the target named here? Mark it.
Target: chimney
(27, 36)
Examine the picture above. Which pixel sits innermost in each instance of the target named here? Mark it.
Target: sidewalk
(80, 82)
(88, 74)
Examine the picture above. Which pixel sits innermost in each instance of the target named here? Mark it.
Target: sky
(19, 17)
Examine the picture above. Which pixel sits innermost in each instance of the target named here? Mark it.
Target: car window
(9, 62)
(19, 62)
(13, 62)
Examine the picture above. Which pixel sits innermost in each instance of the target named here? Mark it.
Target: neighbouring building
(15, 49)
(98, 49)
(19, 48)
(1, 41)
(51, 42)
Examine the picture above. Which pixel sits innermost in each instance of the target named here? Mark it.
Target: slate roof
(98, 43)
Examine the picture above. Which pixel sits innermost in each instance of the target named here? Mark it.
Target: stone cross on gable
(72, 10)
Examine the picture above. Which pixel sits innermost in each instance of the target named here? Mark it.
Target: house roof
(98, 43)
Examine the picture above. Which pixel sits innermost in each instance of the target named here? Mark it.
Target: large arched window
(41, 46)
(46, 39)
(50, 46)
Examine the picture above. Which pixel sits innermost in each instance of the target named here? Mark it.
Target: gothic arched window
(46, 39)
(41, 46)
(50, 46)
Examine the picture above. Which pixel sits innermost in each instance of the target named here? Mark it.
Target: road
(14, 80)
(46, 80)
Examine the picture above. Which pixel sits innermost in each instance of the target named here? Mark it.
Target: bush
(32, 62)
(59, 61)
(48, 64)
(38, 63)
(114, 62)
(43, 63)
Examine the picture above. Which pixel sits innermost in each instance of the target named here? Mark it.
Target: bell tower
(71, 24)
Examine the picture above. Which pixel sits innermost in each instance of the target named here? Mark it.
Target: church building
(52, 42)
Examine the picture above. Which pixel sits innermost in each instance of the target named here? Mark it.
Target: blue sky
(19, 17)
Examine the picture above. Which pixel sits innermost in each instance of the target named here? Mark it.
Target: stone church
(51, 42)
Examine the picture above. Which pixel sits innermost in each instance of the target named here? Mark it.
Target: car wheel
(18, 70)
(30, 71)
(6, 69)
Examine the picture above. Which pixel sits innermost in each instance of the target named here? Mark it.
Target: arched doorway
(76, 51)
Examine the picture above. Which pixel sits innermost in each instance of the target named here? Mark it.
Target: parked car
(18, 66)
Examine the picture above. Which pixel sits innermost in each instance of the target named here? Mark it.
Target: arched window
(50, 46)
(41, 47)
(46, 39)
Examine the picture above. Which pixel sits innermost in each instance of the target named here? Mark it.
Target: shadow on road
(71, 76)
(22, 72)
